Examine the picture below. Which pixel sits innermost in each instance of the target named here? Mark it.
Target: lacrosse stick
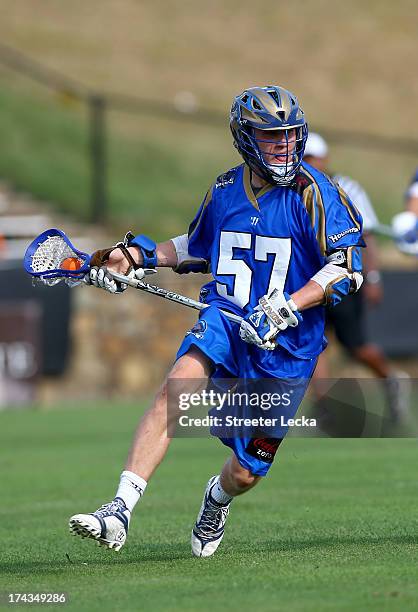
(45, 256)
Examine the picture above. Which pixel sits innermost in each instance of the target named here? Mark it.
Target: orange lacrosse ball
(71, 263)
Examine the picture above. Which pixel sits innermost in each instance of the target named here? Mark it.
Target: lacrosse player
(281, 240)
(348, 318)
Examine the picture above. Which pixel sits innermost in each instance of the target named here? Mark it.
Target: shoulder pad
(300, 182)
(226, 179)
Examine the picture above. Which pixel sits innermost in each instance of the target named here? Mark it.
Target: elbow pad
(341, 275)
(185, 262)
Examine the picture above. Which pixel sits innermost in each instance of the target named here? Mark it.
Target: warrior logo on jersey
(198, 329)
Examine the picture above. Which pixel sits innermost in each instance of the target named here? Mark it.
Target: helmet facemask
(270, 132)
(280, 151)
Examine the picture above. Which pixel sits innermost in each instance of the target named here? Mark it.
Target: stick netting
(50, 254)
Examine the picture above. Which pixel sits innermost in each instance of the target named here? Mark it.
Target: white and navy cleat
(108, 525)
(209, 529)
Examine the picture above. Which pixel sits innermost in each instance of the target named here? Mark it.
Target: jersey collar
(246, 177)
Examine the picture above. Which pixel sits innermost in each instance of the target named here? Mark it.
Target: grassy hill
(349, 63)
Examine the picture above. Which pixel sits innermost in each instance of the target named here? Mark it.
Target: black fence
(99, 103)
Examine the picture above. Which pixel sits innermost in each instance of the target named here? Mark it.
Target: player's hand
(102, 278)
(106, 261)
(274, 314)
(115, 259)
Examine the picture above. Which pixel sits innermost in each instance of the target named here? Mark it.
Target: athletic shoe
(108, 525)
(209, 529)
(398, 391)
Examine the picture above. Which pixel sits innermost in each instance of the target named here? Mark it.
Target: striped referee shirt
(360, 199)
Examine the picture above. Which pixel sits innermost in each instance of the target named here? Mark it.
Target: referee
(348, 318)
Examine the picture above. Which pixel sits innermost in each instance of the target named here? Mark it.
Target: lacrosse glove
(274, 314)
(101, 277)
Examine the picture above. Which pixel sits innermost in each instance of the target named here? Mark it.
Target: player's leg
(209, 528)
(151, 440)
(396, 383)
(254, 448)
(349, 322)
(235, 479)
(109, 524)
(374, 358)
(251, 460)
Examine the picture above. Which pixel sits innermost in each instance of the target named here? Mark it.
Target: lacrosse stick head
(45, 256)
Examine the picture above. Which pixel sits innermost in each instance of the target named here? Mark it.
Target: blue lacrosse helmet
(269, 108)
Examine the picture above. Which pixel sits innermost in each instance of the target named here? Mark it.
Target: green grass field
(333, 527)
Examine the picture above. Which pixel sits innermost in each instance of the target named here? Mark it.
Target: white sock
(131, 488)
(218, 494)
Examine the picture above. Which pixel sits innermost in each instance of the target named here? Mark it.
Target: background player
(261, 229)
(411, 195)
(348, 318)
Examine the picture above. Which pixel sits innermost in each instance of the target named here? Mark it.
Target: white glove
(274, 314)
(405, 229)
(103, 279)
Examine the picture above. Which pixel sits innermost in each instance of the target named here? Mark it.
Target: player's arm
(163, 255)
(135, 256)
(177, 252)
(308, 296)
(341, 275)
(185, 262)
(341, 243)
(276, 312)
(139, 255)
(173, 253)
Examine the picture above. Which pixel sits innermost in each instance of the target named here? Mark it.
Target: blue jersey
(278, 238)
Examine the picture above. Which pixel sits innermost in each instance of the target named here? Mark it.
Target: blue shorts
(218, 338)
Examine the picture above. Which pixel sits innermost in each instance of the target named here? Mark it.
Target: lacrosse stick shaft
(383, 230)
(404, 247)
(170, 295)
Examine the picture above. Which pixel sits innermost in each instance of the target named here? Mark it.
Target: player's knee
(159, 408)
(193, 364)
(161, 397)
(243, 479)
(365, 352)
(188, 375)
(167, 401)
